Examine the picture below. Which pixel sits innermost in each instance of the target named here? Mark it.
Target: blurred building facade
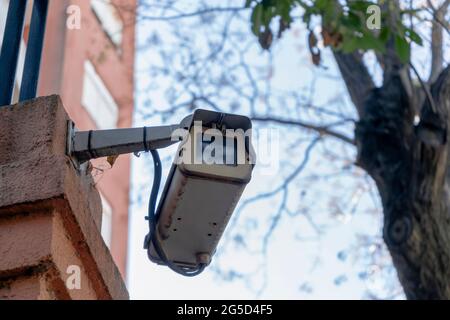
(88, 60)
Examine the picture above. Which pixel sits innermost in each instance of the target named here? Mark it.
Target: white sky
(296, 269)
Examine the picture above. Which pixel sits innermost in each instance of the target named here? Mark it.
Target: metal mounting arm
(86, 145)
(93, 144)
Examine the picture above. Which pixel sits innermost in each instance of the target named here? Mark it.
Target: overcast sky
(296, 266)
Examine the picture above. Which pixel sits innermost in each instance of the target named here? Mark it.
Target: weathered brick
(50, 213)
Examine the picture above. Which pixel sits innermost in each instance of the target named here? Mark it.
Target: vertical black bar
(10, 49)
(34, 50)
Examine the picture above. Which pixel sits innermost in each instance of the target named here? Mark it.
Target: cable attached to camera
(152, 218)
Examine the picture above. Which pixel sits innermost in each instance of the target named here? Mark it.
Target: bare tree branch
(391, 60)
(322, 130)
(356, 77)
(437, 52)
(192, 14)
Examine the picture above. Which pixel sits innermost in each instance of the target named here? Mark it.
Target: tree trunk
(409, 165)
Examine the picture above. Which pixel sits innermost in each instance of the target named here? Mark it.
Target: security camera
(211, 168)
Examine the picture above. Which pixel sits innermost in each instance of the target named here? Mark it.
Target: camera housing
(203, 187)
(212, 166)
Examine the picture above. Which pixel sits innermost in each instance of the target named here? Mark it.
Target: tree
(400, 135)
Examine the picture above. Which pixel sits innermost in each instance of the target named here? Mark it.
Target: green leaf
(323, 4)
(267, 15)
(413, 36)
(256, 19)
(402, 48)
(384, 35)
(369, 41)
(352, 20)
(350, 45)
(284, 10)
(359, 5)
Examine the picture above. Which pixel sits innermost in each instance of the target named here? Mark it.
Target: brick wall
(50, 213)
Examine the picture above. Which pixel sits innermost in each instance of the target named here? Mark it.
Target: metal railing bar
(33, 56)
(9, 53)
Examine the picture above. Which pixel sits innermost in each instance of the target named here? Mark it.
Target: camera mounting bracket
(191, 190)
(83, 146)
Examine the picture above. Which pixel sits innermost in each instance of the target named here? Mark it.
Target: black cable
(153, 220)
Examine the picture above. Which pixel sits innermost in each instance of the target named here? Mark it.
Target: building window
(110, 19)
(97, 100)
(106, 222)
